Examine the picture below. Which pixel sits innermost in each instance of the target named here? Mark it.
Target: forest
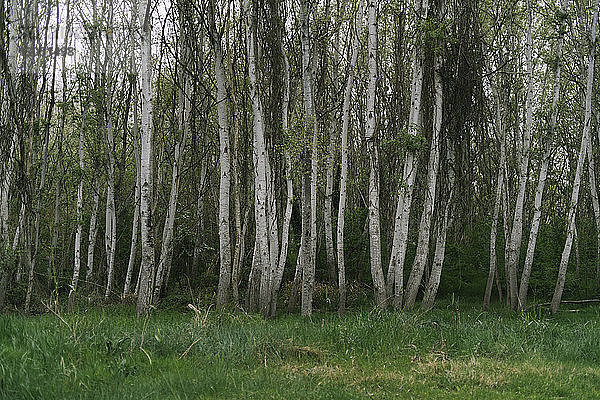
(224, 166)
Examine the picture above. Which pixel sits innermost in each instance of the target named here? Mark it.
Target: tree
(416, 273)
(355, 30)
(584, 148)
(145, 286)
(400, 238)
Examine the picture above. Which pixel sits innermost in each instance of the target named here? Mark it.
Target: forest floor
(453, 352)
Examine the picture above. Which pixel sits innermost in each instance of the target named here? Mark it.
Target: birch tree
(79, 232)
(543, 174)
(355, 30)
(110, 231)
(500, 128)
(372, 148)
(224, 244)
(400, 238)
(517, 224)
(309, 195)
(183, 112)
(260, 163)
(135, 229)
(585, 147)
(420, 260)
(282, 258)
(147, 267)
(440, 243)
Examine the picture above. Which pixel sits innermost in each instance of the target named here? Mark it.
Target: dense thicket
(268, 150)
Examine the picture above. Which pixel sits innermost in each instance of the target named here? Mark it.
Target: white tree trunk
(517, 225)
(278, 274)
(136, 155)
(308, 202)
(78, 233)
(372, 149)
(224, 149)
(7, 170)
(110, 232)
(500, 128)
(331, 158)
(136, 212)
(440, 245)
(400, 238)
(344, 159)
(273, 229)
(166, 253)
(585, 147)
(4, 190)
(199, 212)
(416, 274)
(535, 223)
(134, 230)
(260, 160)
(147, 265)
(597, 227)
(111, 217)
(506, 226)
(93, 232)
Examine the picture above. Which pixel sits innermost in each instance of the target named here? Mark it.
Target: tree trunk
(499, 187)
(136, 156)
(372, 149)
(136, 212)
(517, 225)
(400, 238)
(166, 253)
(416, 274)
(535, 223)
(111, 217)
(309, 179)
(329, 174)
(200, 224)
(93, 233)
(344, 158)
(147, 265)
(585, 146)
(79, 231)
(278, 275)
(440, 245)
(260, 160)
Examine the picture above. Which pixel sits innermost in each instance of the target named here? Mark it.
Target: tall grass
(454, 351)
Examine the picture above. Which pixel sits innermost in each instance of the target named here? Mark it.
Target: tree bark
(372, 149)
(183, 110)
(517, 225)
(497, 202)
(585, 146)
(535, 223)
(93, 232)
(278, 275)
(440, 245)
(309, 194)
(400, 238)
(78, 233)
(147, 265)
(416, 274)
(344, 158)
(136, 212)
(260, 160)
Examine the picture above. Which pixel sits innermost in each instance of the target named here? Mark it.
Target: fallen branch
(589, 301)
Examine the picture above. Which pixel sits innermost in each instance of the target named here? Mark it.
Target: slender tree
(585, 147)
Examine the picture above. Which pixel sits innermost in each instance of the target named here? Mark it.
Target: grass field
(452, 352)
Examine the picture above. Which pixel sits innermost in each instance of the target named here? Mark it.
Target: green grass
(448, 353)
